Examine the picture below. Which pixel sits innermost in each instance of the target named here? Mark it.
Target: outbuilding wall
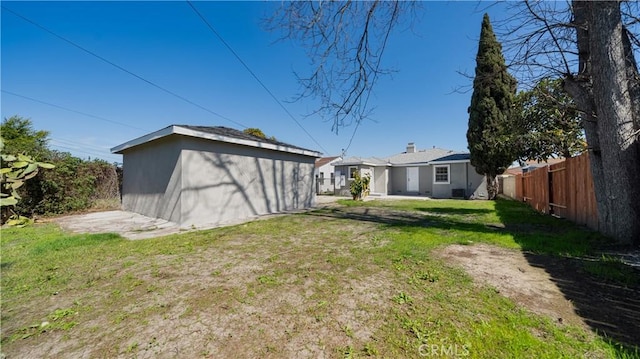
(198, 182)
(225, 182)
(152, 179)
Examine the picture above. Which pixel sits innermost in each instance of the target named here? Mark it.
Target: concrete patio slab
(127, 224)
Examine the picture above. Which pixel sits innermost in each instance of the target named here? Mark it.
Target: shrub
(360, 186)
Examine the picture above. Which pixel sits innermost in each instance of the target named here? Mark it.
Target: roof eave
(452, 161)
(178, 130)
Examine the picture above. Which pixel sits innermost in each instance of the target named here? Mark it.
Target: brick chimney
(411, 147)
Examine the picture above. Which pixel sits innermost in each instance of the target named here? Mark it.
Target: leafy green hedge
(73, 185)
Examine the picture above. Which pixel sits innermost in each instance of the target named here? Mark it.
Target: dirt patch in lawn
(271, 295)
(553, 286)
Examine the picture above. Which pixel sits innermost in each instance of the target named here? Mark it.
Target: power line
(122, 68)
(74, 111)
(253, 74)
(96, 155)
(82, 145)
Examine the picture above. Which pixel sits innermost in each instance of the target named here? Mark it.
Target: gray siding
(477, 184)
(152, 179)
(198, 182)
(426, 181)
(225, 182)
(398, 178)
(380, 180)
(461, 176)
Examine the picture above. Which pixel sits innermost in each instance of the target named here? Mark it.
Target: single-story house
(435, 172)
(203, 176)
(325, 174)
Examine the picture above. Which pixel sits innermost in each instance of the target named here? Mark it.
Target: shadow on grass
(455, 211)
(610, 308)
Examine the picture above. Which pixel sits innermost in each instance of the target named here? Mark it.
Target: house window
(441, 174)
(321, 175)
(352, 172)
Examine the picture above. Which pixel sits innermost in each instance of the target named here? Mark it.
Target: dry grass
(345, 282)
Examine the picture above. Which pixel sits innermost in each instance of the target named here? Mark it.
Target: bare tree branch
(345, 42)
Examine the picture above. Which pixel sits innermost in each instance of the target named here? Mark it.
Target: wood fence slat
(564, 189)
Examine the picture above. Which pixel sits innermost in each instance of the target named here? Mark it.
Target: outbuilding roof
(216, 133)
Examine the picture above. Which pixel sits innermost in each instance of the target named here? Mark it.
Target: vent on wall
(457, 193)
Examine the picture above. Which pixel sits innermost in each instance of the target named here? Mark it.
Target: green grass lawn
(356, 280)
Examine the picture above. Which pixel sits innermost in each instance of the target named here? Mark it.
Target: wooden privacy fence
(564, 189)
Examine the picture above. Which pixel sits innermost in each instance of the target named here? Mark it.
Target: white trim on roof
(361, 164)
(178, 130)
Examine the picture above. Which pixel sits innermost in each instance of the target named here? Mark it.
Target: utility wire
(80, 144)
(74, 111)
(122, 68)
(253, 74)
(96, 155)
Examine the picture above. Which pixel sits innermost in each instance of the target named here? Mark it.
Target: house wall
(457, 180)
(398, 178)
(152, 179)
(461, 176)
(326, 185)
(380, 180)
(426, 181)
(225, 182)
(477, 184)
(342, 190)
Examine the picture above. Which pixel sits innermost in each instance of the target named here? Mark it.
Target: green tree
(21, 138)
(548, 123)
(490, 132)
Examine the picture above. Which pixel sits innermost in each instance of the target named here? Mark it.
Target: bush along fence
(564, 189)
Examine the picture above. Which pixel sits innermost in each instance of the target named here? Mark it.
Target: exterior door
(413, 183)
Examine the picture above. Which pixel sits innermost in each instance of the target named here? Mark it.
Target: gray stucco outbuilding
(204, 176)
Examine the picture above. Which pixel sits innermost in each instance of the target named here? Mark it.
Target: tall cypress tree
(490, 131)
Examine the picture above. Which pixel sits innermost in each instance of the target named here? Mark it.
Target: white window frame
(351, 174)
(435, 170)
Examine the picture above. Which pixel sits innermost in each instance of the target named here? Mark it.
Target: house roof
(370, 161)
(454, 157)
(217, 133)
(421, 156)
(324, 160)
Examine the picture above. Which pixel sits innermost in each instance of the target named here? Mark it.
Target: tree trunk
(615, 157)
(580, 88)
(492, 186)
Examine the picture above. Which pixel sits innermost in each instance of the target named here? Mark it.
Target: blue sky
(167, 44)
